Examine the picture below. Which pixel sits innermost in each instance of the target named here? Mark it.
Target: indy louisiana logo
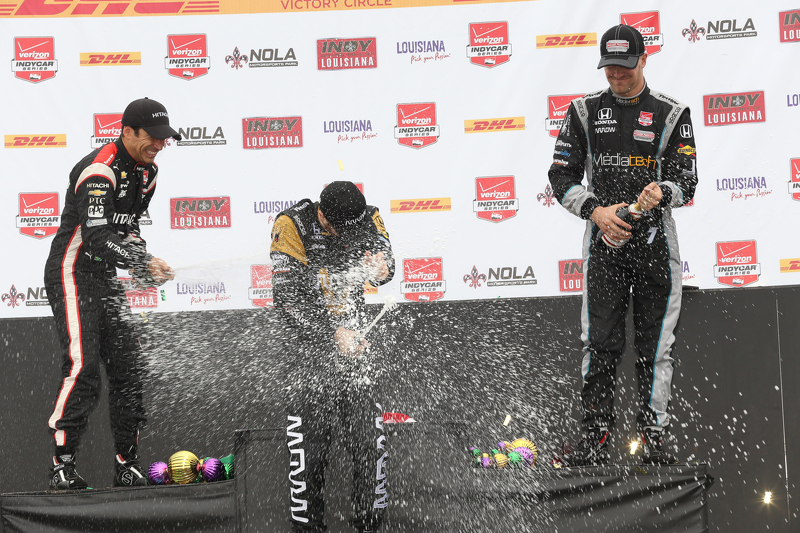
(38, 214)
(107, 128)
(423, 279)
(138, 297)
(495, 198)
(737, 263)
(733, 108)
(187, 56)
(346, 54)
(260, 294)
(416, 125)
(789, 26)
(272, 132)
(488, 44)
(570, 275)
(199, 213)
(34, 59)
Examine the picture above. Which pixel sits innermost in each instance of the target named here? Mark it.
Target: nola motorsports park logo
(187, 56)
(720, 29)
(107, 128)
(794, 178)
(488, 44)
(649, 25)
(38, 214)
(272, 132)
(423, 279)
(734, 108)
(34, 59)
(416, 125)
(737, 263)
(495, 198)
(557, 107)
(260, 293)
(347, 53)
(200, 213)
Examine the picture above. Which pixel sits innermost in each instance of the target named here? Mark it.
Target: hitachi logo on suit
(620, 160)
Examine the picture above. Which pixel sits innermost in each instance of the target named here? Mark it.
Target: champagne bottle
(629, 214)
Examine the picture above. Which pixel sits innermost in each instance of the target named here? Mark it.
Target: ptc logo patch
(187, 56)
(737, 263)
(34, 59)
(38, 214)
(416, 125)
(488, 44)
(495, 198)
(423, 279)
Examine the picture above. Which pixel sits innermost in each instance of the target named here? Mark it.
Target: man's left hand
(650, 196)
(376, 266)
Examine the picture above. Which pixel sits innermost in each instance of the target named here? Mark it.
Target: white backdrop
(214, 263)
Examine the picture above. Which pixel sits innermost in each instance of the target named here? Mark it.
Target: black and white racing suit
(99, 232)
(316, 289)
(622, 145)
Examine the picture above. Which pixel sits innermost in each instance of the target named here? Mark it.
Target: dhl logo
(36, 141)
(105, 8)
(494, 124)
(566, 40)
(121, 58)
(790, 265)
(420, 205)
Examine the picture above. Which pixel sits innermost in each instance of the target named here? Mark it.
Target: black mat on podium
(194, 508)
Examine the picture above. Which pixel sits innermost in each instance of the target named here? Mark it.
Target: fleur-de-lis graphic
(13, 297)
(548, 196)
(694, 32)
(473, 278)
(236, 59)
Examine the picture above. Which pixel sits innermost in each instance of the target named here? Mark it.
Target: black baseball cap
(343, 205)
(621, 46)
(150, 116)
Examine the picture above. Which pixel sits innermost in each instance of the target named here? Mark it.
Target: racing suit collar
(122, 152)
(633, 100)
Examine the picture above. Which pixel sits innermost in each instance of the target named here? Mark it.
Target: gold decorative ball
(183, 467)
(500, 460)
(525, 443)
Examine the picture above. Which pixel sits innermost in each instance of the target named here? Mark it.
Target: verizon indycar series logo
(272, 132)
(794, 180)
(494, 124)
(789, 22)
(260, 294)
(570, 275)
(733, 108)
(38, 214)
(107, 128)
(649, 25)
(421, 205)
(139, 298)
(34, 58)
(57, 140)
(495, 198)
(416, 125)
(737, 263)
(566, 40)
(557, 107)
(423, 279)
(194, 213)
(201, 136)
(187, 56)
(345, 54)
(488, 44)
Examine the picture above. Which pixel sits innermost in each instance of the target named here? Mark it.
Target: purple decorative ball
(158, 473)
(486, 462)
(212, 469)
(527, 455)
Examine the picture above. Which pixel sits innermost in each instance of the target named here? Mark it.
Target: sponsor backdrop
(444, 112)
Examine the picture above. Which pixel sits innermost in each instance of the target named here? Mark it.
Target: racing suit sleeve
(292, 280)
(382, 244)
(569, 162)
(679, 165)
(133, 234)
(94, 192)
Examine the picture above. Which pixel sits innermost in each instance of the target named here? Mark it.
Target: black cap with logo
(150, 116)
(343, 205)
(621, 46)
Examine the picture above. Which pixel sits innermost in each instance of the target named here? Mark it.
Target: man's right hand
(609, 223)
(160, 271)
(347, 341)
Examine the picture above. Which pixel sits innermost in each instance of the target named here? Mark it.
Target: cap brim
(619, 61)
(162, 132)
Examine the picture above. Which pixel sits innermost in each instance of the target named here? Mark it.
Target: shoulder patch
(286, 239)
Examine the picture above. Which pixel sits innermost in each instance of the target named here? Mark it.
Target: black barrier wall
(211, 373)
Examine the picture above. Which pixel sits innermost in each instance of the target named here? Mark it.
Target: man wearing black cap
(637, 147)
(322, 254)
(108, 191)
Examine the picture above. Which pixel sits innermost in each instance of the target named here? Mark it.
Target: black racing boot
(592, 450)
(63, 475)
(128, 471)
(653, 448)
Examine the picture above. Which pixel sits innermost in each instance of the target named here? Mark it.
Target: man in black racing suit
(108, 191)
(635, 145)
(322, 254)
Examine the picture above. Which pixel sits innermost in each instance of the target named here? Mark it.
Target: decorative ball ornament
(211, 469)
(527, 455)
(228, 464)
(500, 460)
(514, 458)
(158, 473)
(526, 444)
(183, 467)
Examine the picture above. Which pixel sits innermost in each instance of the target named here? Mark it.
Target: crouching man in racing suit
(108, 191)
(635, 145)
(322, 254)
